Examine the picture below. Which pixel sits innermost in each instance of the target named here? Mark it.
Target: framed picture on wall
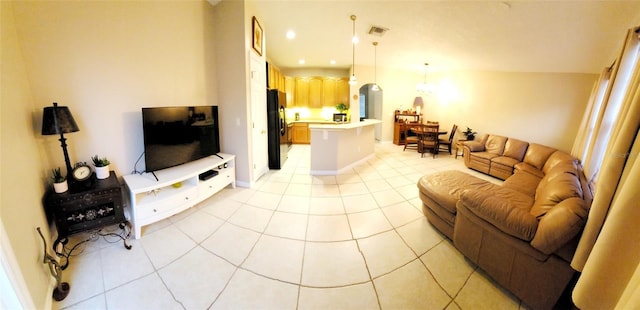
(257, 36)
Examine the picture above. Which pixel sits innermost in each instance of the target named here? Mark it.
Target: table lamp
(58, 120)
(417, 104)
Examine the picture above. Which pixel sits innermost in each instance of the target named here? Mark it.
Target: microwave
(340, 117)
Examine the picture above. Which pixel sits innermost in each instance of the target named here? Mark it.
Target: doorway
(371, 106)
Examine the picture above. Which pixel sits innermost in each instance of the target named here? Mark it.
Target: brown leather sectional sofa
(523, 233)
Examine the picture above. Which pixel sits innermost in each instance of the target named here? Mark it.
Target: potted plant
(470, 134)
(101, 166)
(341, 107)
(60, 184)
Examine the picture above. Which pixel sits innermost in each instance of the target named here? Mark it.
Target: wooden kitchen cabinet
(289, 89)
(315, 92)
(301, 133)
(329, 92)
(302, 92)
(342, 91)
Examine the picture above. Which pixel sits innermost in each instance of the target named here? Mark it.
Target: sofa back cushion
(561, 183)
(556, 158)
(495, 144)
(537, 155)
(515, 149)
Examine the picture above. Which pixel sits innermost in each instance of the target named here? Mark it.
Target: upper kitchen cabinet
(342, 91)
(290, 90)
(315, 92)
(302, 92)
(329, 92)
(275, 78)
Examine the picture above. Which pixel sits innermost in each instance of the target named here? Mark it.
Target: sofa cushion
(561, 224)
(502, 167)
(506, 162)
(445, 187)
(525, 183)
(495, 144)
(515, 149)
(506, 209)
(484, 156)
(474, 146)
(553, 189)
(537, 155)
(524, 167)
(556, 158)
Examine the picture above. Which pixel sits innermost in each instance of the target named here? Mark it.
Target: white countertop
(343, 126)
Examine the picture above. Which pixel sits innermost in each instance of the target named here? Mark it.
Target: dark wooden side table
(84, 208)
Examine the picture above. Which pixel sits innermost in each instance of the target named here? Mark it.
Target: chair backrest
(453, 132)
(431, 132)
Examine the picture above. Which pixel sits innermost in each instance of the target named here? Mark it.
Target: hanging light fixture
(354, 40)
(375, 86)
(424, 87)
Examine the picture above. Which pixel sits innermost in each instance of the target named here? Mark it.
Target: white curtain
(609, 250)
(613, 99)
(585, 136)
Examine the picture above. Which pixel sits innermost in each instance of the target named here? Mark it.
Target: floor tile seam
(304, 251)
(257, 241)
(158, 268)
(169, 290)
(80, 301)
(224, 288)
(364, 259)
(464, 284)
(104, 287)
(206, 237)
(436, 279)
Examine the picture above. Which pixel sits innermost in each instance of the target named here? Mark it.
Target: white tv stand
(177, 189)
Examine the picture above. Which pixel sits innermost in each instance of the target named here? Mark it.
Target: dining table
(420, 131)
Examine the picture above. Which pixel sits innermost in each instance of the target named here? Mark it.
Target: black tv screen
(177, 135)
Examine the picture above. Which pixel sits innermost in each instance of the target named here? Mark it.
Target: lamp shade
(418, 102)
(57, 120)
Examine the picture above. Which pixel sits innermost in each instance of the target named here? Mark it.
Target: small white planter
(102, 172)
(61, 187)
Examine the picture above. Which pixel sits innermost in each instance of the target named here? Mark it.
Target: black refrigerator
(277, 124)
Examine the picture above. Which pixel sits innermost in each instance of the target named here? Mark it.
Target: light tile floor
(353, 241)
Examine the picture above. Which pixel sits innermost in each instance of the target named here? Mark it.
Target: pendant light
(424, 87)
(354, 40)
(375, 86)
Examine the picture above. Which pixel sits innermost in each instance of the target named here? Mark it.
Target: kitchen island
(337, 147)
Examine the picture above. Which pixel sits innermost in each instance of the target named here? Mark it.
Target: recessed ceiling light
(301, 61)
(333, 61)
(291, 34)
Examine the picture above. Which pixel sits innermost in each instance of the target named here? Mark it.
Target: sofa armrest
(501, 213)
(561, 224)
(474, 146)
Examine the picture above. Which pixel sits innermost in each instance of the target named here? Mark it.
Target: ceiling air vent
(377, 31)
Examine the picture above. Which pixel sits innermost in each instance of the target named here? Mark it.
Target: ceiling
(517, 36)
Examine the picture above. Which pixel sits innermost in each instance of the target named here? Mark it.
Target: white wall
(106, 60)
(543, 108)
(23, 172)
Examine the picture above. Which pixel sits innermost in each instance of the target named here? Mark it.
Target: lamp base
(61, 291)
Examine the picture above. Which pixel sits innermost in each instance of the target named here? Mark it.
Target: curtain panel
(586, 134)
(609, 250)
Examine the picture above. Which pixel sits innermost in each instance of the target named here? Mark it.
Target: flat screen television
(178, 135)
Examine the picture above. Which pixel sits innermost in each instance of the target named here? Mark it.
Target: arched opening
(371, 106)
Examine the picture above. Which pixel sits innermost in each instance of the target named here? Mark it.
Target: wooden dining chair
(446, 143)
(429, 139)
(410, 138)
